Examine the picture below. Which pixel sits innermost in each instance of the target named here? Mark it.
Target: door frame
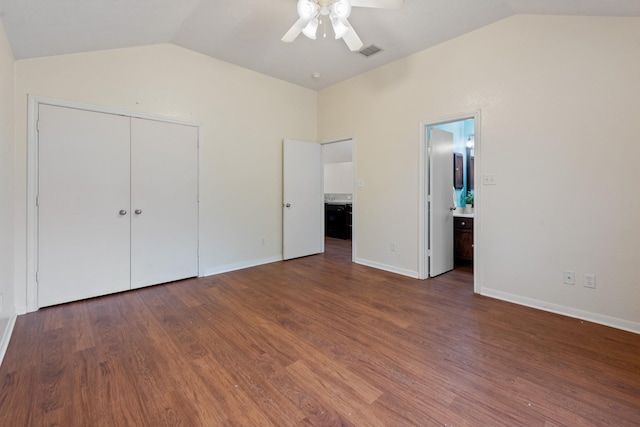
(423, 185)
(34, 102)
(353, 197)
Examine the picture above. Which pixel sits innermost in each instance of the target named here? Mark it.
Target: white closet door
(164, 202)
(83, 199)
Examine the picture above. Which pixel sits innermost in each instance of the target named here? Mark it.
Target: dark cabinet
(337, 220)
(463, 240)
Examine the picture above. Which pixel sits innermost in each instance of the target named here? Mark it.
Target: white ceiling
(247, 32)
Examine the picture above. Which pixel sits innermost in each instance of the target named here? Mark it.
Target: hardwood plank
(315, 341)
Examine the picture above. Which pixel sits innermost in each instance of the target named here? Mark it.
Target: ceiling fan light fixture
(340, 28)
(307, 9)
(311, 29)
(311, 12)
(341, 9)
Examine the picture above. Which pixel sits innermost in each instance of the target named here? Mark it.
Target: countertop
(462, 215)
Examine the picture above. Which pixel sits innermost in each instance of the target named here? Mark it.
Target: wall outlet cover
(590, 280)
(569, 278)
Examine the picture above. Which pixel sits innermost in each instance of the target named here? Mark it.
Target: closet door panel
(83, 185)
(164, 202)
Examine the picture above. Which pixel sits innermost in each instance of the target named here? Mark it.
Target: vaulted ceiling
(248, 32)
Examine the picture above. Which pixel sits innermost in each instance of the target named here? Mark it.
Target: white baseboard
(563, 310)
(389, 268)
(6, 336)
(239, 266)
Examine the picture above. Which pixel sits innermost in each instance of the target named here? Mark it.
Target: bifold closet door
(164, 202)
(83, 204)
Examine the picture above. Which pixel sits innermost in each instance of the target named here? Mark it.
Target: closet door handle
(123, 212)
(138, 211)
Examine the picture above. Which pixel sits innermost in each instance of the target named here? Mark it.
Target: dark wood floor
(315, 341)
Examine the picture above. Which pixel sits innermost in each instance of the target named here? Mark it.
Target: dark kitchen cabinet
(337, 220)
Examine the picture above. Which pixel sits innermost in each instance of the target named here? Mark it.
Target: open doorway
(448, 197)
(338, 193)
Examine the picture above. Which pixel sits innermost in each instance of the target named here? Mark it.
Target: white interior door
(164, 202)
(303, 201)
(83, 204)
(441, 204)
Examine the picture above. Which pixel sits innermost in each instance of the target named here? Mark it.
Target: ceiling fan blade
(380, 4)
(295, 30)
(352, 40)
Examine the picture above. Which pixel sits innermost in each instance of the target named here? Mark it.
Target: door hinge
(38, 125)
(429, 252)
(429, 198)
(37, 276)
(37, 201)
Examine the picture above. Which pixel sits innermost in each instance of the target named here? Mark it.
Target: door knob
(123, 212)
(452, 208)
(288, 205)
(138, 211)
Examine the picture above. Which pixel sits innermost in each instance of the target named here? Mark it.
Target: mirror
(458, 162)
(470, 168)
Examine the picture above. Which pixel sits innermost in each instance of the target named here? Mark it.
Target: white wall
(338, 178)
(338, 167)
(557, 96)
(244, 117)
(6, 180)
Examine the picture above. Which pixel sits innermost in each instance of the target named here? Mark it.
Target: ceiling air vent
(369, 50)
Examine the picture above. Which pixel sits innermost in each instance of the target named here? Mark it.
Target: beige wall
(559, 99)
(244, 117)
(6, 178)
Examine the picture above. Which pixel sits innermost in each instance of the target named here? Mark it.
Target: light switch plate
(489, 179)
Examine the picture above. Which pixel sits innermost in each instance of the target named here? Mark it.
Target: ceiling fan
(312, 12)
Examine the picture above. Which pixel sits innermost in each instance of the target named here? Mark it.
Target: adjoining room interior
(339, 187)
(549, 333)
(463, 134)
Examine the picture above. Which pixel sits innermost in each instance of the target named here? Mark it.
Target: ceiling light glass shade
(307, 9)
(341, 9)
(311, 29)
(339, 27)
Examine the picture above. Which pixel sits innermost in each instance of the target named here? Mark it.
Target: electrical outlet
(590, 280)
(569, 278)
(392, 246)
